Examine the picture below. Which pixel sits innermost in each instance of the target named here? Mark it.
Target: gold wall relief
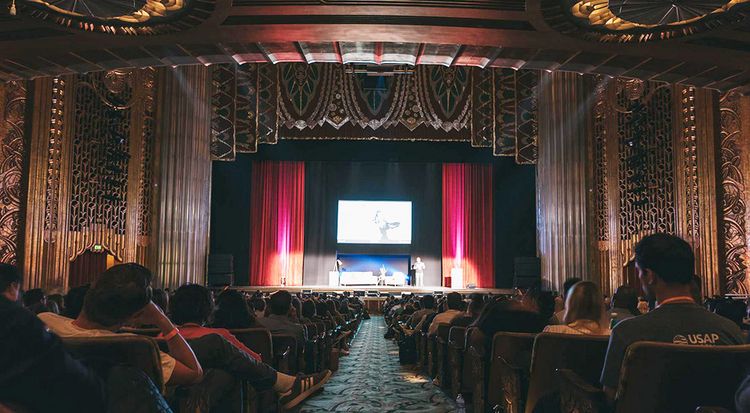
(89, 171)
(13, 153)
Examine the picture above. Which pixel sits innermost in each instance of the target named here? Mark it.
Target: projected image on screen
(374, 222)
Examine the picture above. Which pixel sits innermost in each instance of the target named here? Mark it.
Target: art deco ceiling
(701, 43)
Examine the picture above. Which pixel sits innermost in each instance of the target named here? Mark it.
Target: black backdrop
(513, 193)
(328, 182)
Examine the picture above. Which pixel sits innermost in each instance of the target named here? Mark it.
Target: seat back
(286, 354)
(582, 354)
(258, 340)
(665, 377)
(508, 378)
(140, 352)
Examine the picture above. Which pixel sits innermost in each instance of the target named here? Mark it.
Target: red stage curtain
(467, 223)
(277, 223)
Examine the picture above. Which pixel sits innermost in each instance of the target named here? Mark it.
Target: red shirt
(190, 331)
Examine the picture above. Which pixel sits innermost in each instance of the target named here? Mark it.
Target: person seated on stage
(232, 311)
(454, 303)
(665, 266)
(278, 320)
(585, 312)
(427, 303)
(259, 307)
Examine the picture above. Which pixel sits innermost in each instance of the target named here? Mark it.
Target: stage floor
(379, 288)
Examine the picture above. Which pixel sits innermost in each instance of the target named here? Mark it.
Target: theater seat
(286, 357)
(665, 377)
(456, 347)
(583, 355)
(138, 351)
(258, 340)
(507, 372)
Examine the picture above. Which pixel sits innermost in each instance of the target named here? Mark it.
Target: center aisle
(370, 379)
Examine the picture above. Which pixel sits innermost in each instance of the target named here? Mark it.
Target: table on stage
(352, 278)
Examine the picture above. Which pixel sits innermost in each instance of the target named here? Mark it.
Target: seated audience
(665, 265)
(161, 299)
(259, 307)
(559, 315)
(309, 311)
(232, 311)
(37, 373)
(454, 302)
(734, 310)
(510, 316)
(584, 312)
(278, 320)
(624, 304)
(35, 301)
(192, 307)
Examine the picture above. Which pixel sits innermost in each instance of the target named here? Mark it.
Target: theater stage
(374, 291)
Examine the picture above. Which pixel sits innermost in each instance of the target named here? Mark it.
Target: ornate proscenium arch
(642, 20)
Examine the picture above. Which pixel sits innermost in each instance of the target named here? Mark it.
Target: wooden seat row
(518, 372)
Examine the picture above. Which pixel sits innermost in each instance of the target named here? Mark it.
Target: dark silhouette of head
(232, 311)
(117, 294)
(427, 301)
(454, 301)
(10, 281)
(191, 303)
(280, 302)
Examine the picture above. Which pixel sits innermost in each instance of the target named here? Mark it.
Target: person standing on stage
(418, 268)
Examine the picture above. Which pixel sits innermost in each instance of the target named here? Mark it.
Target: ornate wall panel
(735, 131)
(90, 173)
(246, 109)
(223, 112)
(185, 175)
(13, 152)
(527, 82)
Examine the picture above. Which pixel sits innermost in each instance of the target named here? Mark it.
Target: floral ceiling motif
(642, 20)
(126, 17)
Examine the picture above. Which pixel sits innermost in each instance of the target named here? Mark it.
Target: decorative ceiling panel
(506, 5)
(320, 52)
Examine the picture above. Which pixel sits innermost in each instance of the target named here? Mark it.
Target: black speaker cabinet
(528, 272)
(220, 270)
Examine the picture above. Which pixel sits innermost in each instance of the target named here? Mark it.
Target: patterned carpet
(370, 379)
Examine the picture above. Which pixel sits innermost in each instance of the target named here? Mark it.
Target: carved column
(564, 181)
(183, 195)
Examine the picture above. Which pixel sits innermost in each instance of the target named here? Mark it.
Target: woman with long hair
(585, 312)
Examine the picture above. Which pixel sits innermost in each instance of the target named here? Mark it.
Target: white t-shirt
(64, 327)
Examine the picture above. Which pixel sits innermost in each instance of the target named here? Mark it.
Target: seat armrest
(578, 395)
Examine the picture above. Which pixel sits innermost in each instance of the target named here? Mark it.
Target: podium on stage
(457, 278)
(333, 278)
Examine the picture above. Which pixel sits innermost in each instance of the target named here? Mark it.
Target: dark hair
(74, 300)
(626, 297)
(258, 303)
(117, 294)
(454, 300)
(427, 301)
(161, 299)
(33, 297)
(191, 303)
(9, 274)
(734, 310)
(569, 283)
(232, 311)
(322, 309)
(475, 307)
(546, 303)
(57, 299)
(668, 256)
(280, 302)
(308, 309)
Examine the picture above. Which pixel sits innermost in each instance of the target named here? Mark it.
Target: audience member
(232, 311)
(624, 304)
(558, 317)
(161, 299)
(453, 302)
(278, 320)
(665, 265)
(38, 374)
(192, 307)
(122, 295)
(584, 312)
(74, 301)
(259, 307)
